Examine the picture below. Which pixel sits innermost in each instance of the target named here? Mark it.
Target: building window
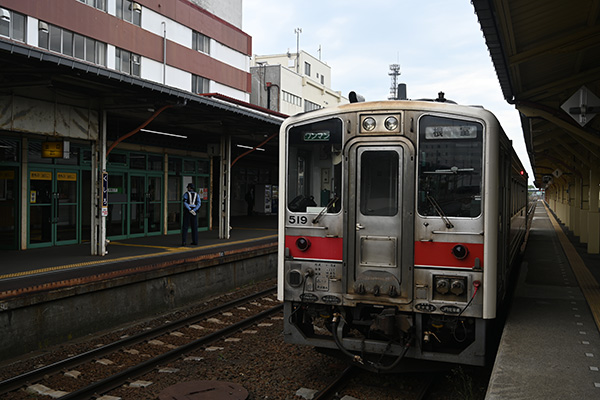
(54, 38)
(200, 84)
(291, 98)
(129, 11)
(127, 62)
(99, 4)
(309, 106)
(306, 69)
(201, 42)
(12, 25)
(9, 151)
(67, 43)
(322, 79)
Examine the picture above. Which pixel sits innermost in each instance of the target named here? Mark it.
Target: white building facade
(292, 83)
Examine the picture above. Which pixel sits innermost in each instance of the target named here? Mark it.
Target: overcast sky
(438, 44)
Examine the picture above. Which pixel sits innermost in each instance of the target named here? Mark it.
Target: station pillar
(224, 188)
(99, 193)
(565, 204)
(575, 198)
(593, 245)
(585, 211)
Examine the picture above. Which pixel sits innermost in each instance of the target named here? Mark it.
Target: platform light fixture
(164, 133)
(249, 147)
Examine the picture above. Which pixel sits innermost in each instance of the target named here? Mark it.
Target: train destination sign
(316, 136)
(451, 132)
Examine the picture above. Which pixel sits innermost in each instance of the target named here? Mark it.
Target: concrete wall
(228, 10)
(38, 321)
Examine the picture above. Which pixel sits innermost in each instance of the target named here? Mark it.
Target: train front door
(380, 220)
(53, 207)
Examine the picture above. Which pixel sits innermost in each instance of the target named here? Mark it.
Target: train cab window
(450, 167)
(315, 167)
(379, 183)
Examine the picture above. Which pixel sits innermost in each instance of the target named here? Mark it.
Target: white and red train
(398, 224)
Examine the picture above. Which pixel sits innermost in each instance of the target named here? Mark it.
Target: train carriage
(398, 224)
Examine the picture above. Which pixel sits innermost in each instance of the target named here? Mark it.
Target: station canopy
(547, 58)
(130, 101)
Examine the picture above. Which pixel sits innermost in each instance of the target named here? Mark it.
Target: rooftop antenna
(319, 52)
(394, 73)
(298, 31)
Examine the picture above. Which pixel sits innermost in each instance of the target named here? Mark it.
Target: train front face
(381, 245)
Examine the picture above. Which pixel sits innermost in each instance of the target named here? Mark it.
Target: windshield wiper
(440, 212)
(453, 170)
(324, 210)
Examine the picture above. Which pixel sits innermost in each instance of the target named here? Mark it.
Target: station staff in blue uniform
(191, 204)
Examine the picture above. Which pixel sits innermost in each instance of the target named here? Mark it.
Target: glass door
(116, 221)
(154, 204)
(41, 195)
(66, 207)
(137, 205)
(9, 228)
(145, 205)
(53, 207)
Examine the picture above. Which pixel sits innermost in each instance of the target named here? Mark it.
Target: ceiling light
(249, 147)
(164, 133)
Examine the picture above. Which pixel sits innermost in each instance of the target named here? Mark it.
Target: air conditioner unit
(4, 15)
(42, 26)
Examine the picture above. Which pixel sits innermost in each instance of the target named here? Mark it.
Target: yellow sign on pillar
(52, 150)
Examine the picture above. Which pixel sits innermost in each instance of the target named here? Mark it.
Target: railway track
(353, 380)
(108, 383)
(336, 384)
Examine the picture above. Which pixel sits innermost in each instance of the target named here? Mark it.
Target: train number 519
(298, 220)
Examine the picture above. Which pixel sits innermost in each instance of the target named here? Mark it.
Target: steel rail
(18, 381)
(340, 381)
(117, 380)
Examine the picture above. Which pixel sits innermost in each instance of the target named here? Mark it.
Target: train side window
(450, 167)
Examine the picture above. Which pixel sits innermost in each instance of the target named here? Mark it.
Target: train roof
(422, 104)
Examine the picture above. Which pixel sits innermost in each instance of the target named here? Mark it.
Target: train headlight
(442, 285)
(295, 278)
(302, 243)
(457, 287)
(460, 251)
(369, 124)
(391, 123)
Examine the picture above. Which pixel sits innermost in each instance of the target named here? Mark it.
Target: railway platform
(550, 347)
(52, 295)
(41, 269)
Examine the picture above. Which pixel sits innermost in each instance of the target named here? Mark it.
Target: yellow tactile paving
(587, 282)
(169, 250)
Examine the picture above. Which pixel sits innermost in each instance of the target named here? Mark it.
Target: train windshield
(450, 167)
(315, 167)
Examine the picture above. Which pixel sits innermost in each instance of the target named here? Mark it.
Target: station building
(108, 108)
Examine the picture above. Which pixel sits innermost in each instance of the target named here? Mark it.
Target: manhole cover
(204, 390)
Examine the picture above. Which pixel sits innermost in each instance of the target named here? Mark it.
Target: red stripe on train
(439, 254)
(320, 248)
